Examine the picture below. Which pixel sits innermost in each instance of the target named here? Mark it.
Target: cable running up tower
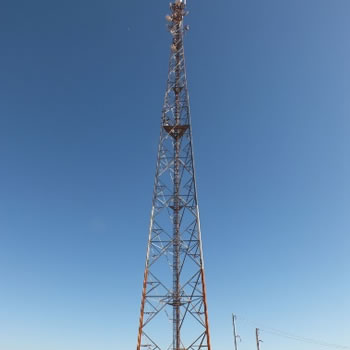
(174, 314)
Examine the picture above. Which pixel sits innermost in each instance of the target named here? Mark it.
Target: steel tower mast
(174, 314)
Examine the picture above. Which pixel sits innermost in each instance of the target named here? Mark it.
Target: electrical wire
(291, 336)
(304, 339)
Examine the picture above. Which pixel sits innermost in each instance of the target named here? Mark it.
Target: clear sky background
(81, 90)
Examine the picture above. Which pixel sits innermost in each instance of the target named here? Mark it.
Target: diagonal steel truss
(174, 312)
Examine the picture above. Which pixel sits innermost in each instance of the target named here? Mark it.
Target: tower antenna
(174, 286)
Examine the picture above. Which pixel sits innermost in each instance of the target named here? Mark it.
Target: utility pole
(234, 330)
(258, 341)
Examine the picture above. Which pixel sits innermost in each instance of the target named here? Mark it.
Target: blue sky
(81, 89)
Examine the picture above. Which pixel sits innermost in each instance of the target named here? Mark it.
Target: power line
(304, 339)
(291, 336)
